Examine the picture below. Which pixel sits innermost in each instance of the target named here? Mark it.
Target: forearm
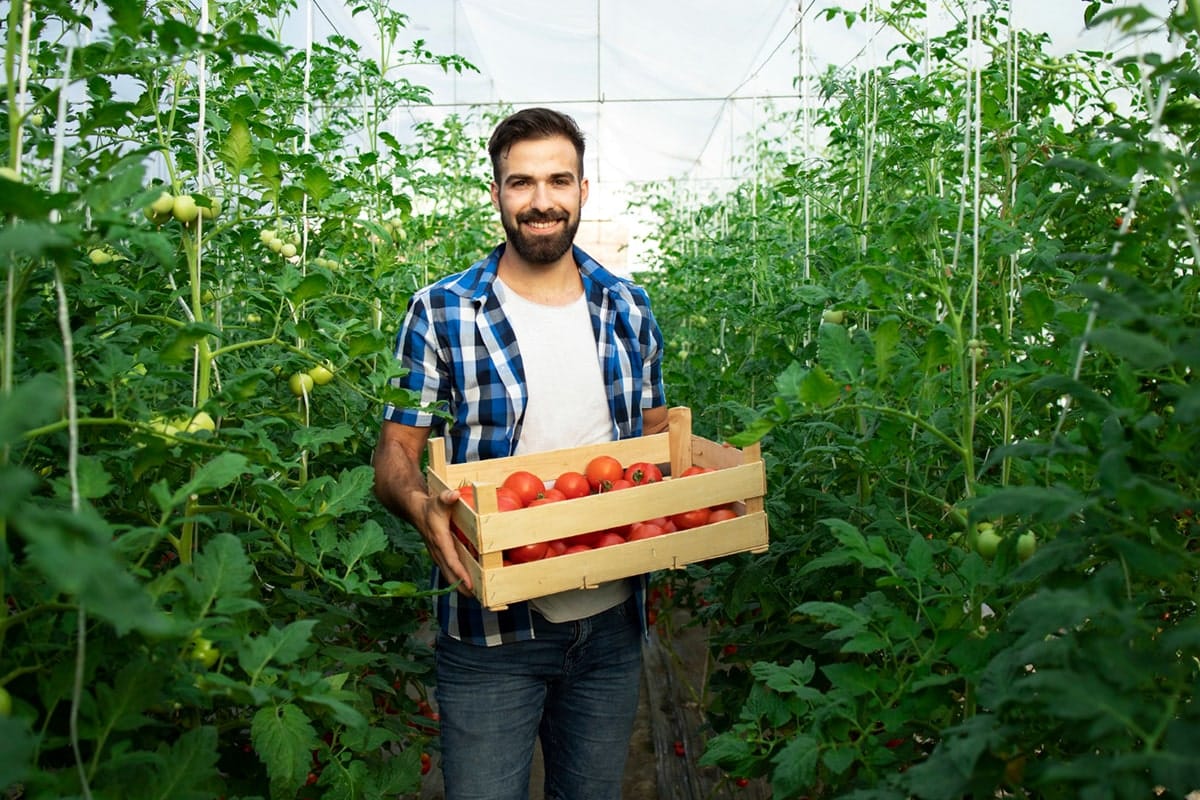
(399, 484)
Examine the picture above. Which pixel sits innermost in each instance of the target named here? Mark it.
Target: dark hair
(533, 123)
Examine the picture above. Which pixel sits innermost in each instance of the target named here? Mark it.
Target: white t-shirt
(567, 406)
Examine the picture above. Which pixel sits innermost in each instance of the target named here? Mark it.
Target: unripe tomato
(320, 375)
(164, 204)
(184, 208)
(213, 210)
(987, 541)
(301, 383)
(1026, 545)
(833, 316)
(6, 703)
(287, 250)
(201, 421)
(100, 256)
(204, 652)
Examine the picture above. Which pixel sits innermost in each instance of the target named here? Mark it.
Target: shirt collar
(478, 282)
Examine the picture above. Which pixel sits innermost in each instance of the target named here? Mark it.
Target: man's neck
(552, 284)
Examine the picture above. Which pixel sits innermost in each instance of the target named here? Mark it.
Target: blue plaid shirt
(461, 356)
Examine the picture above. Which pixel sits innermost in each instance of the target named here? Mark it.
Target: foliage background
(932, 332)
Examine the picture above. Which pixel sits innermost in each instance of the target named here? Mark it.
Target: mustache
(539, 216)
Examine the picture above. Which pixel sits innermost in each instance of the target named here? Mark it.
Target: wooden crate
(740, 479)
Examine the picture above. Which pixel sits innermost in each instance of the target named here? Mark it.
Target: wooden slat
(517, 582)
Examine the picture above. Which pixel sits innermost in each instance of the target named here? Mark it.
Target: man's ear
(583, 191)
(495, 196)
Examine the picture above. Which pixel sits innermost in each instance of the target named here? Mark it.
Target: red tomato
(585, 539)
(573, 484)
(643, 472)
(553, 494)
(644, 530)
(669, 526)
(601, 471)
(619, 483)
(466, 493)
(721, 514)
(507, 499)
(695, 469)
(608, 539)
(691, 519)
(555, 548)
(529, 487)
(576, 548)
(526, 553)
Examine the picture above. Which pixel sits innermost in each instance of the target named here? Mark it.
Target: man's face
(539, 196)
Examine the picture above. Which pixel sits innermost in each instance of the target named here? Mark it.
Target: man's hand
(434, 528)
(401, 488)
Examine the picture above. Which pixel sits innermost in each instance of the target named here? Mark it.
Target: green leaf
(317, 183)
(186, 770)
(236, 150)
(31, 404)
(795, 766)
(1036, 503)
(135, 689)
(851, 677)
(1141, 350)
(886, 337)
(838, 353)
(17, 745)
(792, 679)
(178, 346)
(221, 570)
(316, 284)
(74, 554)
(19, 483)
(284, 738)
(281, 645)
(312, 438)
(352, 491)
(364, 542)
(220, 472)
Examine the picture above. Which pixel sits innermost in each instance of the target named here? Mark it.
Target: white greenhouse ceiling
(663, 90)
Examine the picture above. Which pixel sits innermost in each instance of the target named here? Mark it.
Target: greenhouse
(886, 469)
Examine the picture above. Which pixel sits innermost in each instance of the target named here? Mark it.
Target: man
(535, 347)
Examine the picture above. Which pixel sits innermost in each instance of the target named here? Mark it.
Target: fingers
(440, 542)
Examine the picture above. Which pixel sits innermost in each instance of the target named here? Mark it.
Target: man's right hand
(439, 541)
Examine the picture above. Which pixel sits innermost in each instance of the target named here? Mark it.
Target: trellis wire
(68, 343)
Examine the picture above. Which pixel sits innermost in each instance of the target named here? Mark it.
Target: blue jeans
(575, 685)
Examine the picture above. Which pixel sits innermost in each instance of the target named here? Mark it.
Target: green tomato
(164, 204)
(287, 250)
(1026, 545)
(100, 256)
(320, 375)
(36, 120)
(6, 703)
(204, 652)
(201, 421)
(185, 209)
(301, 383)
(987, 541)
(833, 316)
(213, 210)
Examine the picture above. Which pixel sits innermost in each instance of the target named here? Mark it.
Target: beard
(540, 249)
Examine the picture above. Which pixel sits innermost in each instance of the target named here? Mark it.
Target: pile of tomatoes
(604, 473)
